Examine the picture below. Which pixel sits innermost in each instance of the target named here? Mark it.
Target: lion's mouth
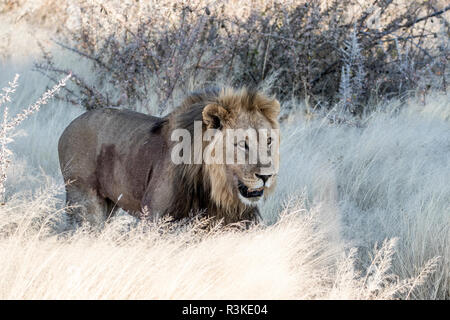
(249, 193)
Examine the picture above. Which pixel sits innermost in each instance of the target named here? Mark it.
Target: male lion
(113, 158)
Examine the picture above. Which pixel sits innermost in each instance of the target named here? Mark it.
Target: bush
(324, 51)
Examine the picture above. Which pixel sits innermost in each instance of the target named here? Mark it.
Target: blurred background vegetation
(331, 54)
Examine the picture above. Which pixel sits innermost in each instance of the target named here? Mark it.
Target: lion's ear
(271, 109)
(214, 116)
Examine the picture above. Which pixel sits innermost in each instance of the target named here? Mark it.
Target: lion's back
(82, 141)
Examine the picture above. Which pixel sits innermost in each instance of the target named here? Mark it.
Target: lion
(112, 158)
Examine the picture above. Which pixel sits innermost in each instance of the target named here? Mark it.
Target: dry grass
(383, 177)
(292, 259)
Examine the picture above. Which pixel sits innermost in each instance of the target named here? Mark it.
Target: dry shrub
(325, 51)
(9, 125)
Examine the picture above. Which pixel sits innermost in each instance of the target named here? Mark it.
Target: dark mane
(192, 107)
(189, 111)
(189, 178)
(157, 126)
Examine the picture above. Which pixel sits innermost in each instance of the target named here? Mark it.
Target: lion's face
(248, 181)
(251, 180)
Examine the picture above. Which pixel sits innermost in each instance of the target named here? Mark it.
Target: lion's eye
(243, 145)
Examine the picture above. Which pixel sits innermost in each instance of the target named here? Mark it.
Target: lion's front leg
(156, 201)
(85, 206)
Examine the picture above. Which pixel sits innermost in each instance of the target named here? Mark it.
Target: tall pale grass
(388, 177)
(292, 259)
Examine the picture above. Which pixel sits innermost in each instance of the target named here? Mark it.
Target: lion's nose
(264, 178)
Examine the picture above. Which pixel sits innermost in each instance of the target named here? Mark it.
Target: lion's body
(112, 158)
